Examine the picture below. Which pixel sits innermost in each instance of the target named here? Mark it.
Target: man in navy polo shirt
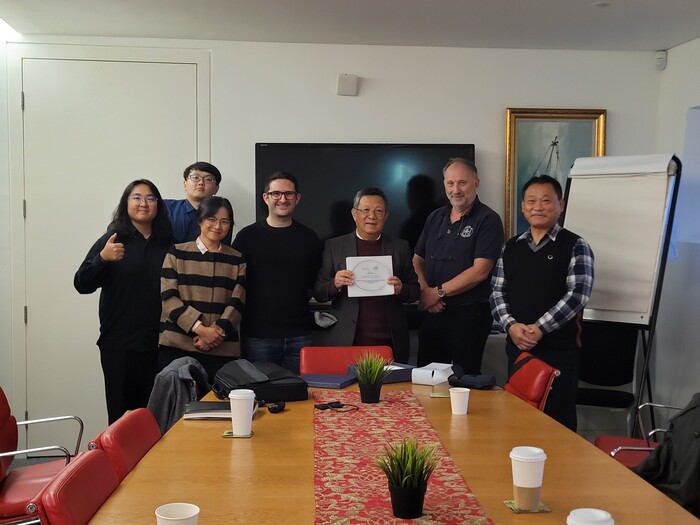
(454, 257)
(542, 280)
(201, 181)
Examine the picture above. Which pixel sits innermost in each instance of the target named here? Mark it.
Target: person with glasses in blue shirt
(125, 263)
(201, 181)
(374, 320)
(282, 257)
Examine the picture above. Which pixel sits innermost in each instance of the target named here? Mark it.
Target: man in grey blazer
(362, 321)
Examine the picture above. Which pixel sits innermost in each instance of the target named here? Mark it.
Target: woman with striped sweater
(203, 293)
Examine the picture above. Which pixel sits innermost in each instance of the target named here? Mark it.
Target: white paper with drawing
(371, 274)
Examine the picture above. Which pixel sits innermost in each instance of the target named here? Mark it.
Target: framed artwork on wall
(546, 141)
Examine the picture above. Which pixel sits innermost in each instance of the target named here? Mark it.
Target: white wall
(676, 367)
(679, 90)
(286, 92)
(5, 310)
(268, 92)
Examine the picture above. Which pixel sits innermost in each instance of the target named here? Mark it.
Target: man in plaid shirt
(542, 280)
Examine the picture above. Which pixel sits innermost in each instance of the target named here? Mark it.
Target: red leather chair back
(128, 439)
(8, 434)
(79, 490)
(335, 359)
(532, 381)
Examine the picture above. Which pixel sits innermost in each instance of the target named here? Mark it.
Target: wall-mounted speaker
(347, 85)
(660, 58)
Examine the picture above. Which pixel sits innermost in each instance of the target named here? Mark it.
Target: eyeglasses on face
(208, 179)
(277, 195)
(378, 212)
(213, 221)
(138, 199)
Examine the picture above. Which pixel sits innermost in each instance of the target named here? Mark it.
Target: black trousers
(129, 380)
(211, 363)
(561, 403)
(456, 335)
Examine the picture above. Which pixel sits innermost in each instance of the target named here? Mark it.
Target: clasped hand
(525, 336)
(208, 337)
(431, 301)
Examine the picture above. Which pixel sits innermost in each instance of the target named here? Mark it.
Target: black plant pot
(407, 502)
(369, 393)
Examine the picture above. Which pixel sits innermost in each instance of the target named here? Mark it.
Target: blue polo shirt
(183, 217)
(450, 248)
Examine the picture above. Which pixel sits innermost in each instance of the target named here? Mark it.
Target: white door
(90, 126)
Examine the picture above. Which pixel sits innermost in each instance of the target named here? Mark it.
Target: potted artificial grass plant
(371, 369)
(408, 465)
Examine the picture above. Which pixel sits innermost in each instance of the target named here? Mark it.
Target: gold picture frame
(538, 138)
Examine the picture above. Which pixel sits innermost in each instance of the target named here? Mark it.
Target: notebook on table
(211, 410)
(329, 380)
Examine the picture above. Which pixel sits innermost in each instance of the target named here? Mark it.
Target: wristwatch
(441, 291)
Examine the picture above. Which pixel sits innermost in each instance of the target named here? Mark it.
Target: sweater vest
(537, 281)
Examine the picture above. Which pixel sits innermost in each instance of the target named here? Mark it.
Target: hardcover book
(208, 410)
(328, 380)
(211, 410)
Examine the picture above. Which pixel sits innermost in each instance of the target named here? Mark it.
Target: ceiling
(625, 25)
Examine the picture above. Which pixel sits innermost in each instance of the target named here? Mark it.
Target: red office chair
(531, 380)
(335, 359)
(78, 491)
(19, 485)
(632, 451)
(128, 439)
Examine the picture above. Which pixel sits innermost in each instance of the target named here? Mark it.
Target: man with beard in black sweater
(282, 258)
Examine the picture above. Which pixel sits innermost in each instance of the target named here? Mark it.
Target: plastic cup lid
(241, 393)
(589, 517)
(528, 454)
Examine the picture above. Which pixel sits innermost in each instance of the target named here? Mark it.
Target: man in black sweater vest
(542, 280)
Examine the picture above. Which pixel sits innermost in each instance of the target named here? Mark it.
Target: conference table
(269, 478)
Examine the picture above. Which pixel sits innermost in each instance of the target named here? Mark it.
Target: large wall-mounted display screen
(330, 174)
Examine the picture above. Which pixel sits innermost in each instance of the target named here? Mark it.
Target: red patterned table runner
(350, 489)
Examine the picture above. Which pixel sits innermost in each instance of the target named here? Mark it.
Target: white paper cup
(459, 398)
(589, 517)
(528, 470)
(242, 402)
(177, 514)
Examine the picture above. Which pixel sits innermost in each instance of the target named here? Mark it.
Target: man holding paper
(368, 276)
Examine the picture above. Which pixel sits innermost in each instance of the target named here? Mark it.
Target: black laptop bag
(270, 382)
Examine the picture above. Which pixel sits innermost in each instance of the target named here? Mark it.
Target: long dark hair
(121, 222)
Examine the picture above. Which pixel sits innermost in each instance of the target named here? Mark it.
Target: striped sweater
(207, 287)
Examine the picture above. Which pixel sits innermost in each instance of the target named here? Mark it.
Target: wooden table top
(269, 478)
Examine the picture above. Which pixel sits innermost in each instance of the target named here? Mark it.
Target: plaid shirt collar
(552, 233)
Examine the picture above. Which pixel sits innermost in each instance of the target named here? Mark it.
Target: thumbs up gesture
(113, 250)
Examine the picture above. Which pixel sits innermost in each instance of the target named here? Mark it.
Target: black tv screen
(329, 175)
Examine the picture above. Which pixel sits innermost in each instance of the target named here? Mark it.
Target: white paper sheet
(371, 274)
(620, 206)
(432, 374)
